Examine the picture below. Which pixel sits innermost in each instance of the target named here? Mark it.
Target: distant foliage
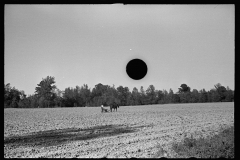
(48, 95)
(12, 96)
(45, 93)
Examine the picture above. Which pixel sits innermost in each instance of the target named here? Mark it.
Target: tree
(203, 96)
(7, 98)
(24, 101)
(213, 96)
(176, 98)
(85, 93)
(185, 97)
(100, 95)
(184, 93)
(15, 96)
(143, 96)
(111, 96)
(151, 95)
(229, 95)
(221, 90)
(184, 88)
(165, 97)
(99, 89)
(70, 97)
(7, 90)
(44, 91)
(170, 96)
(135, 96)
(12, 96)
(160, 97)
(194, 96)
(123, 95)
(79, 97)
(58, 97)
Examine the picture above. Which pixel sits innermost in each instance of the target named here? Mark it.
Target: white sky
(91, 44)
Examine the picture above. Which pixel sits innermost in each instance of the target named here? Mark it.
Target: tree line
(48, 95)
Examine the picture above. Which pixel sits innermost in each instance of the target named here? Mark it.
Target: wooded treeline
(48, 95)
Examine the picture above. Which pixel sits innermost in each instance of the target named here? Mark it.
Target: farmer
(103, 109)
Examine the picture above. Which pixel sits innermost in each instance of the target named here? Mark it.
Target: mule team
(113, 107)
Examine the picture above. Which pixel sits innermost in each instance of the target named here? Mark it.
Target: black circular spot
(136, 69)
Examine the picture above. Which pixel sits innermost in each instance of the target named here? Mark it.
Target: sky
(91, 44)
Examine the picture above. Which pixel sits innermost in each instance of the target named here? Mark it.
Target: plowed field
(132, 131)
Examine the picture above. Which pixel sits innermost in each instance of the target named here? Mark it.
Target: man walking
(103, 109)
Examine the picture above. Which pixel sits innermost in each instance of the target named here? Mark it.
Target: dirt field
(132, 131)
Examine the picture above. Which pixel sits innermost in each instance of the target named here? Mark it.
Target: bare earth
(132, 131)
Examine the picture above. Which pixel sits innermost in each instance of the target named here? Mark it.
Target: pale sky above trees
(91, 44)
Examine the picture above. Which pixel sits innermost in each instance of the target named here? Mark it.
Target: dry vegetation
(132, 131)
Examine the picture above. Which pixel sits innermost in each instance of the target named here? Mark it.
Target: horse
(114, 106)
